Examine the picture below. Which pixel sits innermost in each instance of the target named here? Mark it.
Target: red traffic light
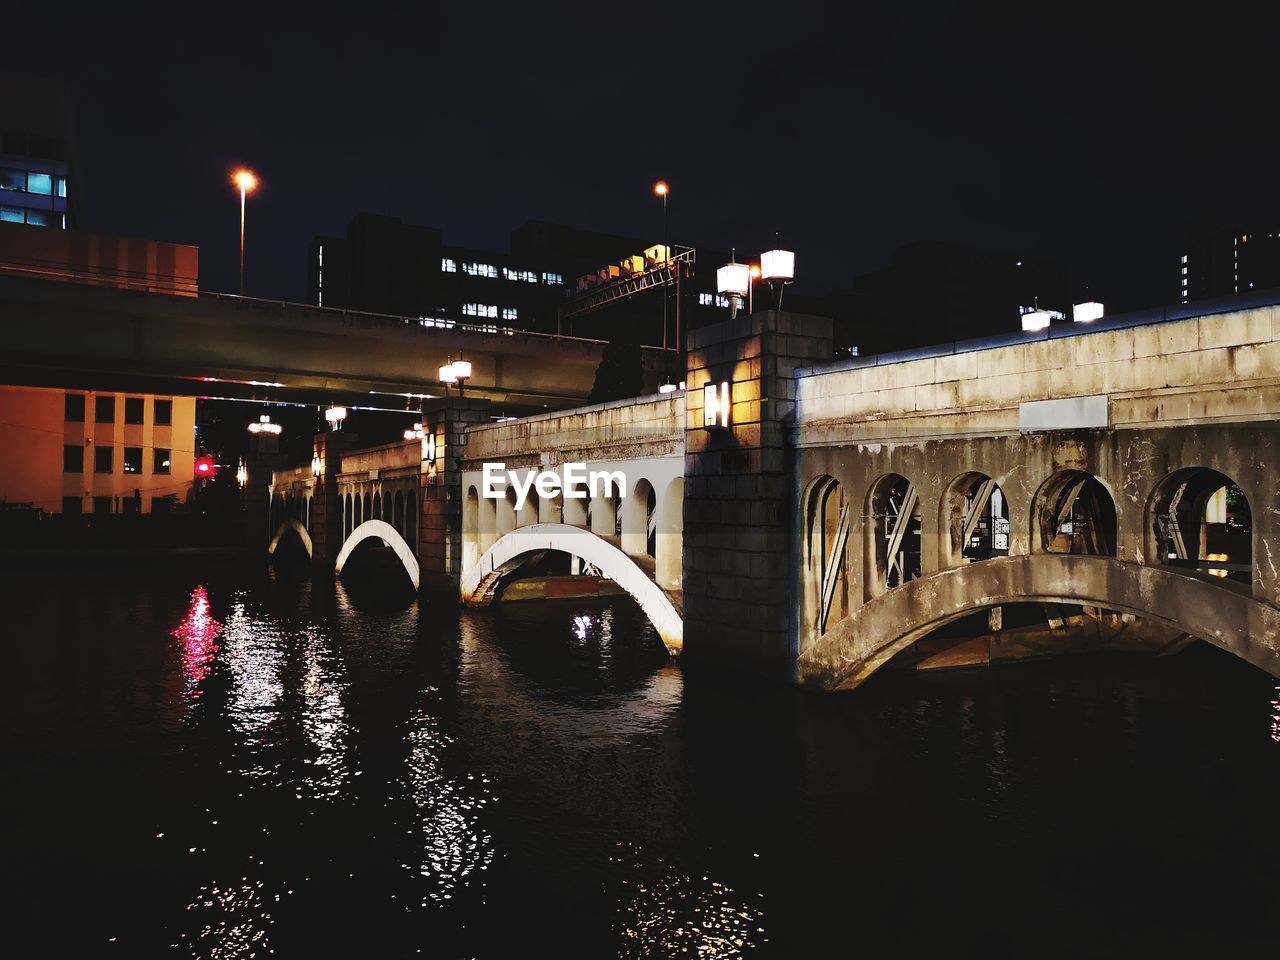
(205, 466)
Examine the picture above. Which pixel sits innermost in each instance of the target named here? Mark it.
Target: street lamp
(734, 279)
(246, 183)
(461, 372)
(751, 288)
(447, 376)
(335, 415)
(778, 267)
(662, 189)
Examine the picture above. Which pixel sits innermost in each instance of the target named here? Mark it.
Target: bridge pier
(739, 495)
(261, 462)
(440, 519)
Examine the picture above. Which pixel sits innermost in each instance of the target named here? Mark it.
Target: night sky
(1091, 138)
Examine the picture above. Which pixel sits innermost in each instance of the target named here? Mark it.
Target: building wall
(70, 255)
(34, 432)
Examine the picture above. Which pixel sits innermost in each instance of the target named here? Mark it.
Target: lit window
(481, 270)
(508, 313)
(448, 266)
(1184, 271)
(160, 461)
(132, 459)
(721, 301)
(528, 276)
(11, 215)
(320, 256)
(553, 278)
(706, 299)
(1184, 258)
(40, 183)
(15, 180)
(437, 322)
(40, 218)
(480, 310)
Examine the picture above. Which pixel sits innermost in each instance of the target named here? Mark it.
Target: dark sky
(1086, 137)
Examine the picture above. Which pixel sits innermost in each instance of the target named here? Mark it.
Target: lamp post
(447, 376)
(246, 182)
(455, 371)
(778, 268)
(734, 280)
(754, 275)
(661, 188)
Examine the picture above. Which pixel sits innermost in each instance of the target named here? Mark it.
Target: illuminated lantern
(715, 405)
(778, 266)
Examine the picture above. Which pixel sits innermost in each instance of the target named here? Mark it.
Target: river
(207, 761)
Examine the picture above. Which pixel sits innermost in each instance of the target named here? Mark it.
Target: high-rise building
(387, 266)
(935, 293)
(37, 179)
(1220, 261)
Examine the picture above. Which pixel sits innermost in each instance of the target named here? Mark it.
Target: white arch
(387, 533)
(611, 562)
(285, 527)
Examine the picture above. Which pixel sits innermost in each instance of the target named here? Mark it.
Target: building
(1220, 261)
(384, 265)
(37, 178)
(83, 451)
(934, 293)
(79, 450)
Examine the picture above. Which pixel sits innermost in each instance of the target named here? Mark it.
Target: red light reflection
(198, 632)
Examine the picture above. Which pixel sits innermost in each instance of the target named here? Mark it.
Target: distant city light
(264, 425)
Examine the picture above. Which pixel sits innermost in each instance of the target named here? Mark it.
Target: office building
(1219, 261)
(37, 179)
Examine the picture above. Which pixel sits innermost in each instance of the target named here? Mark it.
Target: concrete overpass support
(262, 461)
(739, 489)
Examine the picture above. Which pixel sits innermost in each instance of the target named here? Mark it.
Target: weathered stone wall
(1219, 368)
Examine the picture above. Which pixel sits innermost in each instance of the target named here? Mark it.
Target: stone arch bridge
(849, 508)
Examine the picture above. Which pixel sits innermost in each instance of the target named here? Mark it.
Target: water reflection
(685, 915)
(198, 633)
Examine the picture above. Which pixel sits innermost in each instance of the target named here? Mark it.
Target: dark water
(211, 763)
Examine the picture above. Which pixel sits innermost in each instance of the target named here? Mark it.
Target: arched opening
(507, 511)
(378, 540)
(893, 534)
(411, 520)
(669, 536)
(638, 523)
(377, 506)
(975, 520)
(1200, 519)
(826, 520)
(291, 536)
(368, 508)
(397, 512)
(471, 529)
(488, 522)
(347, 507)
(1074, 513)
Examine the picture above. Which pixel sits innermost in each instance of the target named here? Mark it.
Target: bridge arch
(974, 521)
(1073, 512)
(824, 588)
(600, 553)
(892, 543)
(637, 519)
(387, 533)
(1199, 518)
(286, 527)
(870, 636)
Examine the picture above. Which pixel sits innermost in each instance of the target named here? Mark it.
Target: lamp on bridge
(778, 268)
(264, 425)
(461, 370)
(734, 280)
(414, 433)
(335, 415)
(715, 405)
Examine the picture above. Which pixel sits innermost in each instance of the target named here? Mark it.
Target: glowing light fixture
(246, 182)
(778, 266)
(661, 188)
(242, 474)
(461, 370)
(1036, 320)
(415, 432)
(335, 415)
(667, 388)
(429, 447)
(447, 374)
(734, 280)
(715, 404)
(1087, 312)
(264, 425)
